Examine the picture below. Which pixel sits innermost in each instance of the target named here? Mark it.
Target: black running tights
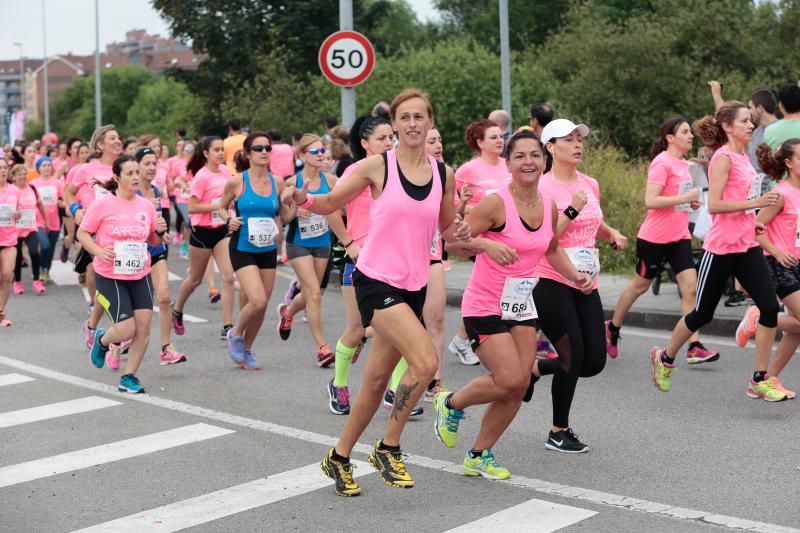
(32, 242)
(573, 322)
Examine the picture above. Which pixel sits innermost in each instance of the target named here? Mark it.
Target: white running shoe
(462, 349)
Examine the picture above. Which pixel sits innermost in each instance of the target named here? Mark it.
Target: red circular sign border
(330, 41)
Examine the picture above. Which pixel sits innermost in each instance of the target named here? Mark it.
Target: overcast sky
(70, 24)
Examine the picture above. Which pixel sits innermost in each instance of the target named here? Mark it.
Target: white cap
(561, 127)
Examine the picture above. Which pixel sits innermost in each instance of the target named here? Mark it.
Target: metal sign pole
(348, 93)
(505, 60)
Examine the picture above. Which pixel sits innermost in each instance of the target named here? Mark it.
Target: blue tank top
(160, 249)
(256, 235)
(311, 232)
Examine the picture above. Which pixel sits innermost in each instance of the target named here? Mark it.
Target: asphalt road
(214, 448)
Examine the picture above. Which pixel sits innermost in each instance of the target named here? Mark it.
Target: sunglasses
(261, 148)
(315, 151)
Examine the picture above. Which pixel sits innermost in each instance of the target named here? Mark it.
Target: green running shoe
(486, 466)
(661, 370)
(445, 421)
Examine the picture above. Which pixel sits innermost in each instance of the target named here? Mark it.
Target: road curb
(720, 327)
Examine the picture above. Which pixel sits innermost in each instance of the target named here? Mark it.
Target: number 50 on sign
(346, 58)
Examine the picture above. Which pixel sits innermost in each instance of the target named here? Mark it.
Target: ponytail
(658, 146)
(199, 159)
(240, 161)
(710, 128)
(774, 165)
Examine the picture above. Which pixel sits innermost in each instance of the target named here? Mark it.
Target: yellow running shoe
(341, 474)
(765, 390)
(391, 467)
(485, 465)
(661, 371)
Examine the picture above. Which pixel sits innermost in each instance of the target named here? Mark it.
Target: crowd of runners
(379, 204)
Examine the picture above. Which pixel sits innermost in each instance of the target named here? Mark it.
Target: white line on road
(533, 516)
(86, 297)
(225, 502)
(186, 317)
(545, 487)
(54, 410)
(173, 277)
(107, 453)
(13, 379)
(665, 335)
(63, 273)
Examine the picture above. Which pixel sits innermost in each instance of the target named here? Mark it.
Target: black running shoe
(737, 299)
(565, 441)
(339, 399)
(223, 335)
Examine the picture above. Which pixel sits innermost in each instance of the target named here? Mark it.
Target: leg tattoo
(401, 398)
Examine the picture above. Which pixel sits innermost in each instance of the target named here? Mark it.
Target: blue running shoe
(98, 352)
(236, 348)
(250, 362)
(130, 383)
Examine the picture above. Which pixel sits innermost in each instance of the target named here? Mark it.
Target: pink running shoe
(114, 357)
(778, 385)
(748, 325)
(18, 287)
(700, 354)
(177, 323)
(324, 356)
(88, 335)
(544, 350)
(284, 322)
(170, 357)
(612, 339)
(38, 286)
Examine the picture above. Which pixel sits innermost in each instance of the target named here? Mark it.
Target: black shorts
(158, 257)
(373, 295)
(121, 297)
(787, 280)
(479, 328)
(649, 256)
(262, 260)
(83, 260)
(208, 238)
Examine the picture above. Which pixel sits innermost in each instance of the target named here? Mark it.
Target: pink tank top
(9, 204)
(733, 232)
(358, 211)
(398, 248)
(782, 230)
(497, 290)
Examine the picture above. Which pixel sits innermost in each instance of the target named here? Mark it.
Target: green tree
(161, 108)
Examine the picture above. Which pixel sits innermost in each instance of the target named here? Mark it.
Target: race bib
(261, 232)
(130, 257)
(683, 188)
(216, 219)
(755, 191)
(27, 219)
(49, 195)
(516, 302)
(437, 238)
(100, 191)
(6, 216)
(585, 260)
(313, 226)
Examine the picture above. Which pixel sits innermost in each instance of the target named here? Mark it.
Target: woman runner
(9, 212)
(515, 228)
(730, 248)
(412, 194)
(123, 223)
(664, 234)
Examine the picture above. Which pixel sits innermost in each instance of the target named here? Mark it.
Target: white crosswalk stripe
(13, 379)
(107, 453)
(533, 516)
(225, 502)
(54, 410)
(187, 317)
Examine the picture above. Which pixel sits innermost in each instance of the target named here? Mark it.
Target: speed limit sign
(346, 58)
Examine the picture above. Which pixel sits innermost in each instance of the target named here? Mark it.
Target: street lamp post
(21, 76)
(46, 87)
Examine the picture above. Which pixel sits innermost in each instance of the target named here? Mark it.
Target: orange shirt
(230, 145)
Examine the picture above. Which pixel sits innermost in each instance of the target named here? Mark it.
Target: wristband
(74, 207)
(160, 233)
(571, 213)
(307, 203)
(348, 244)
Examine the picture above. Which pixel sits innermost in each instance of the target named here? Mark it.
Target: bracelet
(307, 203)
(571, 212)
(74, 207)
(348, 244)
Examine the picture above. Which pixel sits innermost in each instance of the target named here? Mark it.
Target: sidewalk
(649, 311)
